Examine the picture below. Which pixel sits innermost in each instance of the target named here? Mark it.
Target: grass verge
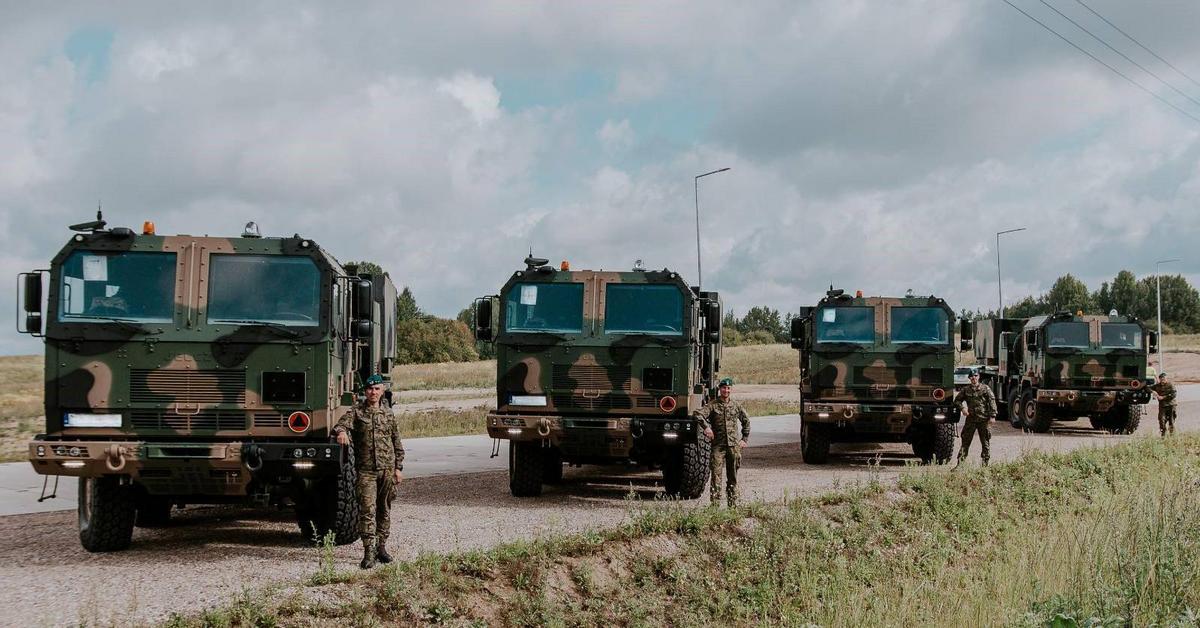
(21, 384)
(1099, 537)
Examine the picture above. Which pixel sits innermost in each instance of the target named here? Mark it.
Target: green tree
(430, 339)
(766, 320)
(1124, 295)
(1069, 294)
(1180, 304)
(370, 268)
(406, 306)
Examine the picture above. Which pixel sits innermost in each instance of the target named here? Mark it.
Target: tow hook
(115, 460)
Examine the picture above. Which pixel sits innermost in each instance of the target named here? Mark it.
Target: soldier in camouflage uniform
(1164, 390)
(720, 424)
(981, 409)
(379, 459)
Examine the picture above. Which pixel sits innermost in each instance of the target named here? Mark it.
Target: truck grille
(591, 377)
(601, 402)
(211, 386)
(205, 420)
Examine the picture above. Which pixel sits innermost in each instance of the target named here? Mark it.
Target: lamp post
(999, 282)
(1158, 299)
(696, 180)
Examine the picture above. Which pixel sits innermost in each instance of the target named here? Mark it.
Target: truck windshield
(1120, 335)
(1073, 334)
(266, 289)
(128, 287)
(920, 324)
(846, 324)
(544, 307)
(643, 309)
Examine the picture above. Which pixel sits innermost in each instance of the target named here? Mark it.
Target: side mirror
(797, 333)
(386, 365)
(965, 330)
(362, 299)
(33, 323)
(483, 320)
(1153, 340)
(965, 345)
(360, 329)
(1031, 339)
(712, 321)
(33, 292)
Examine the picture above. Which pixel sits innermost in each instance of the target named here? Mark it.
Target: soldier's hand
(708, 433)
(399, 477)
(343, 438)
(742, 443)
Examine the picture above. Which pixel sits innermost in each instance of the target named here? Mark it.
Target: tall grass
(21, 406)
(481, 374)
(761, 364)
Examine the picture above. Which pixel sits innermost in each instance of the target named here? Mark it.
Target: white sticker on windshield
(528, 295)
(111, 291)
(95, 268)
(829, 316)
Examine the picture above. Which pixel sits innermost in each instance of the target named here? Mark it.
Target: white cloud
(477, 94)
(616, 136)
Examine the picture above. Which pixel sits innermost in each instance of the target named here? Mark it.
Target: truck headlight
(527, 400)
(75, 419)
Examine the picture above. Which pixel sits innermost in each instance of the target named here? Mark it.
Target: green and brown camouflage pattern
(597, 406)
(194, 419)
(1072, 381)
(878, 389)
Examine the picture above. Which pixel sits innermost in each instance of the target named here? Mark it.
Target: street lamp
(1158, 299)
(699, 276)
(999, 283)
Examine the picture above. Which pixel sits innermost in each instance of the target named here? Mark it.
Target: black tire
(922, 442)
(330, 505)
(106, 514)
(526, 468)
(1036, 419)
(943, 442)
(153, 511)
(685, 469)
(815, 439)
(553, 472)
(1016, 413)
(1099, 421)
(1124, 419)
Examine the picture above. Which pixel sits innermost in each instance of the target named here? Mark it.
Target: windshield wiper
(276, 327)
(131, 324)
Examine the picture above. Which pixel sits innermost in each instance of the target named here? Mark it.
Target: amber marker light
(148, 227)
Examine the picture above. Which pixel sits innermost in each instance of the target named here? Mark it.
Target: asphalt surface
(455, 497)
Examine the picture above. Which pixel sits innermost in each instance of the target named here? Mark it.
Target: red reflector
(666, 404)
(299, 422)
(939, 394)
(1135, 383)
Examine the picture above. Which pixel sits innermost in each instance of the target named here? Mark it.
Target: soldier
(379, 460)
(720, 424)
(981, 409)
(1164, 390)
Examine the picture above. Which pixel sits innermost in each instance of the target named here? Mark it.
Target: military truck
(1065, 366)
(876, 369)
(192, 370)
(597, 367)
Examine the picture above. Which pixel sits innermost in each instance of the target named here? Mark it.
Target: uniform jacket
(376, 436)
(723, 417)
(1167, 390)
(981, 402)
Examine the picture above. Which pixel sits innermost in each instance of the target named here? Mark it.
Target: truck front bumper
(186, 468)
(1092, 400)
(886, 418)
(607, 436)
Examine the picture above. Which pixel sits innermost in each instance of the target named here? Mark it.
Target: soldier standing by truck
(1164, 391)
(380, 458)
(981, 410)
(720, 424)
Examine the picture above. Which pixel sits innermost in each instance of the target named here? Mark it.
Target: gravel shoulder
(209, 554)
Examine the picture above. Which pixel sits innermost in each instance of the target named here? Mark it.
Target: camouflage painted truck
(190, 370)
(1065, 366)
(598, 367)
(876, 369)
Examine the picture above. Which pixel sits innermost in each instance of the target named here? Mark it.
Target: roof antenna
(99, 213)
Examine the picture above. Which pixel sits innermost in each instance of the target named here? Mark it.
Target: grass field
(1098, 537)
(20, 404)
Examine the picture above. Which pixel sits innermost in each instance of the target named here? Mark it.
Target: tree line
(1126, 294)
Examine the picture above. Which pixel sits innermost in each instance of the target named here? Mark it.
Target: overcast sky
(874, 145)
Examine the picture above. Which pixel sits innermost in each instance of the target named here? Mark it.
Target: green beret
(375, 378)
(728, 381)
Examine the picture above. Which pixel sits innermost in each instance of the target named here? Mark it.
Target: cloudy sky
(875, 145)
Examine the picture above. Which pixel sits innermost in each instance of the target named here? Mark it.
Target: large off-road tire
(1124, 419)
(553, 461)
(815, 439)
(526, 468)
(153, 511)
(943, 442)
(922, 442)
(1016, 410)
(1098, 421)
(330, 504)
(685, 469)
(1036, 419)
(106, 513)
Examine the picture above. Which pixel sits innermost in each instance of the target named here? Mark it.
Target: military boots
(368, 560)
(382, 554)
